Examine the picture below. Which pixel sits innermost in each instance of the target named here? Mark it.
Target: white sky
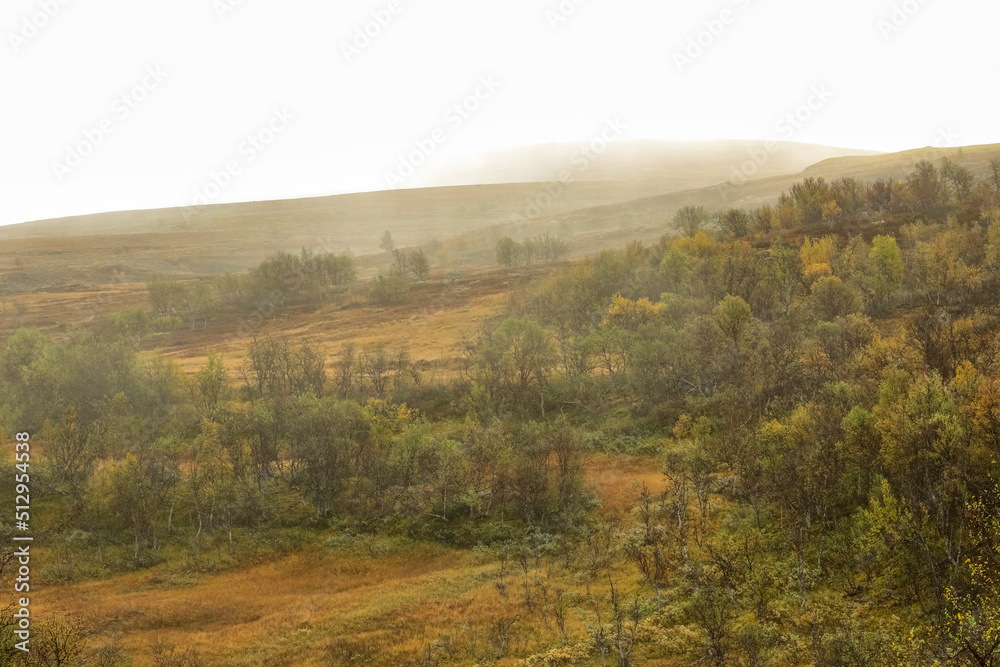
(932, 82)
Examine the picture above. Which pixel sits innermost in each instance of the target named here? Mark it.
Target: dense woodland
(819, 379)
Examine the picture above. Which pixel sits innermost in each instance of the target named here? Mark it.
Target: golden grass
(618, 480)
(281, 613)
(385, 599)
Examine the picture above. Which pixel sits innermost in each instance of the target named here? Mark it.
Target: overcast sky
(122, 104)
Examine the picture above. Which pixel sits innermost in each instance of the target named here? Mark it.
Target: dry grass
(282, 613)
(618, 480)
(381, 600)
(431, 324)
(386, 606)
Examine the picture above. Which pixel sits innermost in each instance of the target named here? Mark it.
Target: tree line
(546, 248)
(930, 193)
(281, 279)
(825, 408)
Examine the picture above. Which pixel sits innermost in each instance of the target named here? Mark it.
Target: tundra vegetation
(817, 383)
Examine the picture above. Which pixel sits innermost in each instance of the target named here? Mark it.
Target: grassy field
(336, 600)
(78, 253)
(330, 599)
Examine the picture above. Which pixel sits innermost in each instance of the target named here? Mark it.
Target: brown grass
(383, 599)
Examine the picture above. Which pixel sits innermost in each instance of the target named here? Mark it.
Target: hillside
(519, 183)
(233, 237)
(899, 165)
(646, 218)
(680, 165)
(768, 437)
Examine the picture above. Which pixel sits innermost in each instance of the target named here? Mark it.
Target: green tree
(967, 634)
(135, 490)
(993, 245)
(400, 264)
(927, 190)
(69, 461)
(418, 264)
(508, 252)
(690, 219)
(336, 270)
(167, 295)
(387, 243)
(388, 290)
(959, 178)
(210, 385)
(810, 195)
(733, 317)
(735, 223)
(831, 299)
(325, 435)
(648, 545)
(886, 267)
(551, 249)
(530, 251)
(510, 366)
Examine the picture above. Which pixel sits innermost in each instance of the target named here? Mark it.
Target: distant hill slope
(678, 165)
(92, 249)
(626, 170)
(652, 214)
(73, 253)
(234, 237)
(898, 165)
(413, 214)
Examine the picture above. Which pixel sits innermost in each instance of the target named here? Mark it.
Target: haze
(172, 95)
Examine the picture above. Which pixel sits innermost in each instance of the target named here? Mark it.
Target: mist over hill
(678, 165)
(643, 187)
(455, 194)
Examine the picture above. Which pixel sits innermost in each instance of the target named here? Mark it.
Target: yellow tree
(969, 632)
(886, 265)
(818, 258)
(627, 314)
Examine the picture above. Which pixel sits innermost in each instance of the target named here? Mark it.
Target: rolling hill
(680, 165)
(71, 254)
